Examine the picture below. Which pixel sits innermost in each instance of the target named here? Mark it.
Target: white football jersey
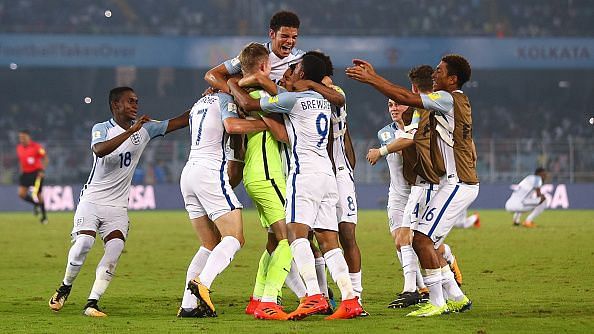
(442, 103)
(111, 175)
(386, 135)
(526, 187)
(279, 65)
(207, 132)
(339, 125)
(307, 124)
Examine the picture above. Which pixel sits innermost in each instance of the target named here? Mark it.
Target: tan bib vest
(424, 164)
(409, 154)
(464, 149)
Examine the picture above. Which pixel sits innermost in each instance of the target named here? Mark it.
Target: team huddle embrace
(274, 119)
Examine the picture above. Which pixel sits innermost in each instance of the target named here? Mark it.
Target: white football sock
(76, 257)
(410, 266)
(294, 281)
(304, 259)
(447, 254)
(189, 301)
(340, 272)
(449, 284)
(321, 274)
(356, 283)
(433, 282)
(469, 221)
(420, 281)
(537, 211)
(219, 259)
(106, 267)
(517, 216)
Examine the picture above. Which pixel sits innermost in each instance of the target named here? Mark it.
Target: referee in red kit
(33, 160)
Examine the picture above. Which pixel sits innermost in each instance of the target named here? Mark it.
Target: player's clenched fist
(373, 155)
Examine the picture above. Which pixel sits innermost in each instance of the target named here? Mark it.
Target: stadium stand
(504, 18)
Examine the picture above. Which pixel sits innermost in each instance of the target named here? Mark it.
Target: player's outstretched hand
(362, 71)
(138, 124)
(373, 156)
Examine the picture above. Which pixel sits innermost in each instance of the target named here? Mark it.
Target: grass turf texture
(520, 280)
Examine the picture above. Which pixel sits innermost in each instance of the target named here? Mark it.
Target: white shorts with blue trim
(346, 208)
(443, 210)
(397, 202)
(420, 195)
(311, 200)
(207, 192)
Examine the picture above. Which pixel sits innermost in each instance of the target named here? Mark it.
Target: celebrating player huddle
(277, 121)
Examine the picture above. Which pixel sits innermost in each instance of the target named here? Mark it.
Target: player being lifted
(212, 206)
(452, 120)
(283, 33)
(310, 207)
(265, 183)
(523, 199)
(103, 208)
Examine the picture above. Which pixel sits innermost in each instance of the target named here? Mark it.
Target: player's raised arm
(102, 147)
(243, 99)
(259, 80)
(178, 122)
(364, 72)
(243, 126)
(232, 123)
(329, 93)
(217, 78)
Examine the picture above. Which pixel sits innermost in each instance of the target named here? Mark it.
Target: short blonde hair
(251, 56)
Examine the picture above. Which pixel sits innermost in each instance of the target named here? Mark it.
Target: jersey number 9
(322, 127)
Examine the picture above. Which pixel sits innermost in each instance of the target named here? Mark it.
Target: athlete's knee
(113, 249)
(327, 240)
(79, 250)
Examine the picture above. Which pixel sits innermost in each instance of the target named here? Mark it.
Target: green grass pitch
(520, 280)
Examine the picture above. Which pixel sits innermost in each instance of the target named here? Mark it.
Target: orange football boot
(270, 311)
(252, 305)
(347, 309)
(308, 306)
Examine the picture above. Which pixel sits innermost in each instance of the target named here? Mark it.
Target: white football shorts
(346, 208)
(207, 192)
(442, 211)
(311, 200)
(519, 205)
(102, 219)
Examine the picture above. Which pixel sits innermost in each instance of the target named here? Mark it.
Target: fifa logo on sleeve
(136, 137)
